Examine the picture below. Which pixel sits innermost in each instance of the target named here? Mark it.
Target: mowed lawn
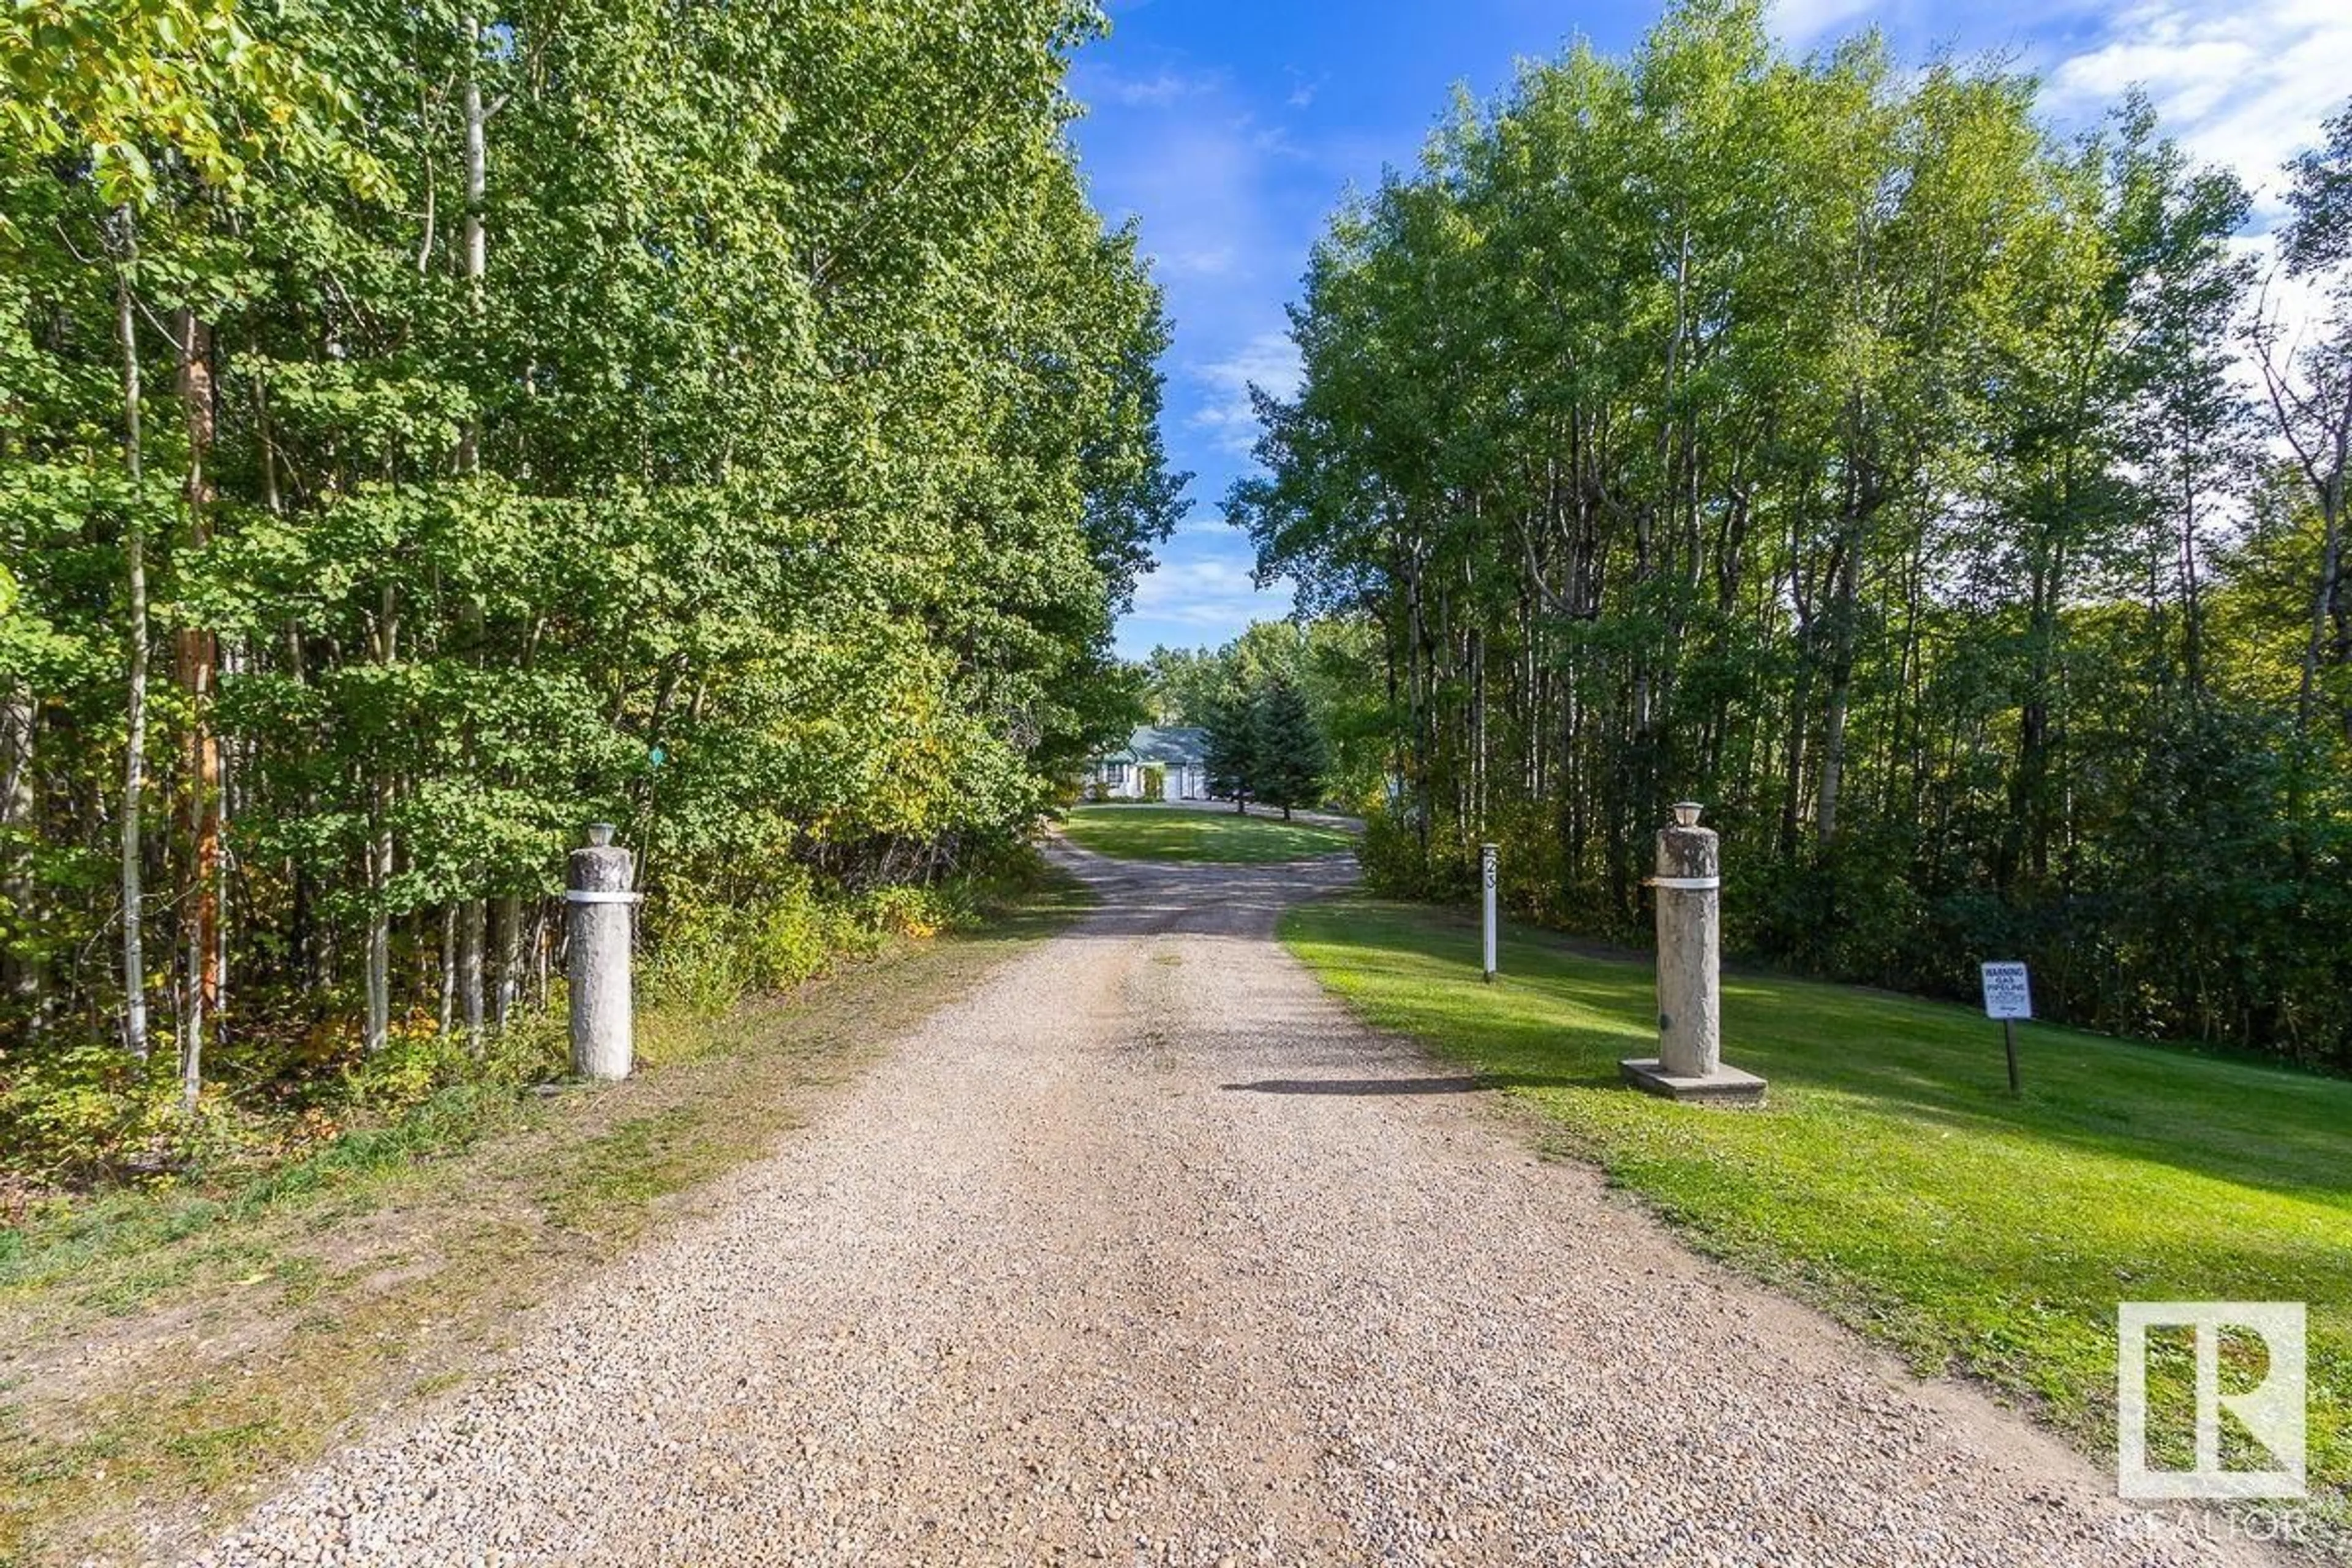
(1893, 1178)
(1180, 833)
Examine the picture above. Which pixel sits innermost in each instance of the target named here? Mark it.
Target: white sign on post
(2007, 993)
(1486, 882)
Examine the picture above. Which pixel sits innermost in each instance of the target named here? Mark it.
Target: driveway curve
(1146, 1252)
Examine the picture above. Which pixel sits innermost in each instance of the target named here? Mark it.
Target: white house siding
(1176, 753)
(1124, 781)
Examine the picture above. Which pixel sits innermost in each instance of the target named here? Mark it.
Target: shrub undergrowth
(91, 1119)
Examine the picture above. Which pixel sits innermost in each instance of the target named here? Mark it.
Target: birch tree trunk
(20, 973)
(472, 913)
(509, 983)
(470, 967)
(198, 657)
(134, 567)
(2323, 450)
(447, 1020)
(477, 237)
(380, 867)
(1842, 609)
(2327, 595)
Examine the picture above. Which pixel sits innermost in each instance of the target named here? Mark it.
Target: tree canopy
(1334, 667)
(1835, 444)
(730, 422)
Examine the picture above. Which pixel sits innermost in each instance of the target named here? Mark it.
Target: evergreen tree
(1336, 663)
(1231, 721)
(1288, 752)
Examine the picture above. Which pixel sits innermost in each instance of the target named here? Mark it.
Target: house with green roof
(1174, 758)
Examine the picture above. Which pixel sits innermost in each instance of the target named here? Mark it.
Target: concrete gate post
(597, 896)
(1690, 946)
(1688, 886)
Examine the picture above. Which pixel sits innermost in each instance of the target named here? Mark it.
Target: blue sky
(1230, 129)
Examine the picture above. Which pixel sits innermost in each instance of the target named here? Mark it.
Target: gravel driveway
(1144, 1253)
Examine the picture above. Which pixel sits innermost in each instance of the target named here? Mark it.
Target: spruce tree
(1232, 749)
(1289, 756)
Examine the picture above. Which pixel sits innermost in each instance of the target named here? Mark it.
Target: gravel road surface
(1144, 1253)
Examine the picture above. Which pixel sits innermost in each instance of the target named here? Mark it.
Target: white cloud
(2243, 85)
(1228, 204)
(1192, 179)
(1803, 21)
(1100, 84)
(1206, 590)
(1273, 138)
(1213, 262)
(1269, 361)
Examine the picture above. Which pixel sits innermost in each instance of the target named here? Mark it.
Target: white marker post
(2008, 997)
(1486, 882)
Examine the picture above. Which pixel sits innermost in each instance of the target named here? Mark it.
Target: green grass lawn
(1180, 833)
(1893, 1178)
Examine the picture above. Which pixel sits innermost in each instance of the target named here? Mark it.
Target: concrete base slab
(1726, 1086)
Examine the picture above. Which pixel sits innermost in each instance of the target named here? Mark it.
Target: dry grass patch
(164, 1360)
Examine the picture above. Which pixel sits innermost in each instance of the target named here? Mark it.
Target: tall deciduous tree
(734, 424)
(1835, 443)
(2309, 377)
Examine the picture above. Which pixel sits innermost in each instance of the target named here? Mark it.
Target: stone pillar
(1689, 1064)
(1690, 947)
(603, 1043)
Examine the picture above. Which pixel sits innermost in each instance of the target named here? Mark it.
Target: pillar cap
(1686, 812)
(599, 835)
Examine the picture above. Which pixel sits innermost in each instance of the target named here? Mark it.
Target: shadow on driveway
(1461, 1083)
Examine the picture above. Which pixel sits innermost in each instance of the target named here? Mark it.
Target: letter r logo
(2272, 1412)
